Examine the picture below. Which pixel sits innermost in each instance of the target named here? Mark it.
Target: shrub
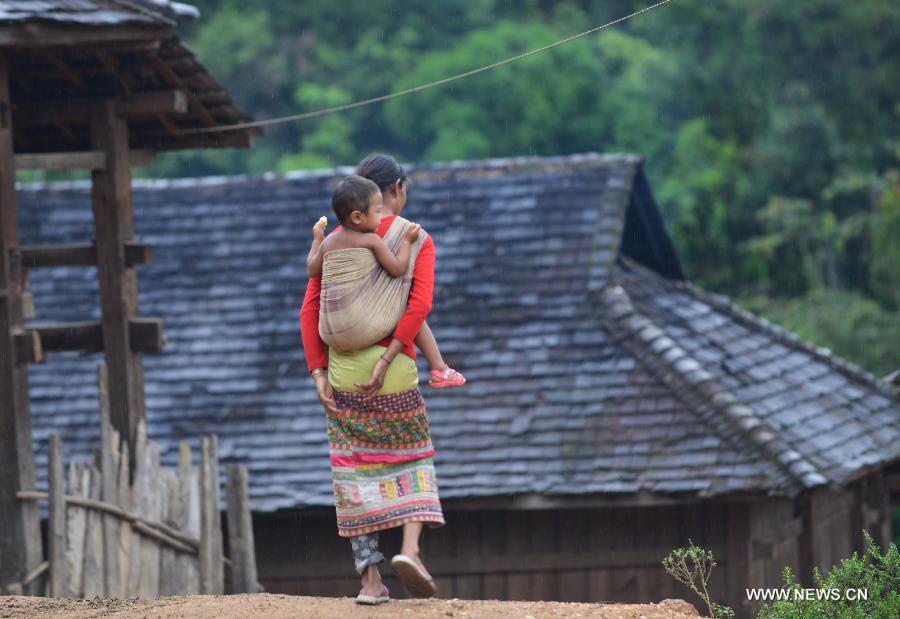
(692, 566)
(879, 576)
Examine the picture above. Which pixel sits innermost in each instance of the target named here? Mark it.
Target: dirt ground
(268, 605)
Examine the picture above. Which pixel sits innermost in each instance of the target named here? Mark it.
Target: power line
(400, 93)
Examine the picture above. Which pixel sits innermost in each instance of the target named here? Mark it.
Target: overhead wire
(407, 91)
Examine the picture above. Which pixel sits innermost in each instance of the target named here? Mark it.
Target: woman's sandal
(448, 377)
(372, 600)
(414, 576)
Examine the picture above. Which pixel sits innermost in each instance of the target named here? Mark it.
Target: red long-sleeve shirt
(421, 294)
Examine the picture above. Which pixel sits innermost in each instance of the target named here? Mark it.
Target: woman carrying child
(379, 439)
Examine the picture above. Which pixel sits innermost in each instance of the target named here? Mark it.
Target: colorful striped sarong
(380, 449)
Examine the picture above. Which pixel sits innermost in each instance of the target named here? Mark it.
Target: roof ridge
(623, 317)
(160, 10)
(782, 335)
(588, 159)
(606, 240)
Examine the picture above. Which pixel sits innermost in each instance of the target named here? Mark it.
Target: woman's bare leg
(371, 581)
(411, 533)
(428, 345)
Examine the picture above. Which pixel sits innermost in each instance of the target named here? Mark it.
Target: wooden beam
(28, 348)
(170, 127)
(153, 103)
(893, 482)
(146, 335)
(78, 111)
(135, 253)
(169, 75)
(67, 71)
(474, 565)
(20, 540)
(78, 160)
(49, 35)
(27, 306)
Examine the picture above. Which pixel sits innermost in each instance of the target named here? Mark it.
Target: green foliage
(876, 573)
(770, 128)
(885, 268)
(851, 325)
(692, 566)
(895, 523)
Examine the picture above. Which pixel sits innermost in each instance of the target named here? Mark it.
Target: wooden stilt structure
(99, 95)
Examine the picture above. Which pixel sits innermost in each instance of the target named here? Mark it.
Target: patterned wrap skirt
(380, 449)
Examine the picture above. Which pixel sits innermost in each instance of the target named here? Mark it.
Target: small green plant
(693, 566)
(879, 577)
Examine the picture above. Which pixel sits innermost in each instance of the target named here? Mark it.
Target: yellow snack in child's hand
(323, 221)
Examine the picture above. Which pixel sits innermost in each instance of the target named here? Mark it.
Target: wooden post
(79, 483)
(20, 542)
(188, 519)
(125, 532)
(211, 568)
(139, 474)
(56, 520)
(240, 532)
(168, 561)
(113, 227)
(150, 507)
(109, 488)
(93, 542)
(738, 558)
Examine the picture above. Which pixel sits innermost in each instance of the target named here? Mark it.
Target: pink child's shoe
(448, 377)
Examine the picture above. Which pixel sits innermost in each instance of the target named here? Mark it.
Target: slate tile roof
(97, 12)
(593, 366)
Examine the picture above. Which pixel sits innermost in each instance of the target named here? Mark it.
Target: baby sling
(360, 302)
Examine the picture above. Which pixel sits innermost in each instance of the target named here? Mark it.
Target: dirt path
(268, 605)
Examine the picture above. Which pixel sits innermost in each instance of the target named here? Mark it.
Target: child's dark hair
(352, 194)
(382, 169)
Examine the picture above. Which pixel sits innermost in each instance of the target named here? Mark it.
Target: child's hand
(319, 230)
(413, 233)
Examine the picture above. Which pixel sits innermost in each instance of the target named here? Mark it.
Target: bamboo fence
(154, 531)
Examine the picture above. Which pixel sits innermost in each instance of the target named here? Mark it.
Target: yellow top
(346, 369)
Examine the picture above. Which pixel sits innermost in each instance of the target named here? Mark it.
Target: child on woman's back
(357, 203)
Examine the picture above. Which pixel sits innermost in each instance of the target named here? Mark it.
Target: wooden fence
(149, 532)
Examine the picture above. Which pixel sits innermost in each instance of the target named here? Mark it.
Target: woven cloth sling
(360, 302)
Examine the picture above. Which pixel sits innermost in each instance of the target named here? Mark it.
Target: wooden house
(98, 85)
(614, 411)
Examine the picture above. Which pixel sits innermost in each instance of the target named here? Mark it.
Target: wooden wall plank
(240, 532)
(517, 535)
(109, 450)
(150, 507)
(188, 520)
(76, 522)
(543, 538)
(573, 539)
(168, 566)
(466, 541)
(493, 544)
(125, 532)
(56, 520)
(739, 575)
(209, 516)
(600, 533)
(218, 565)
(93, 542)
(139, 483)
